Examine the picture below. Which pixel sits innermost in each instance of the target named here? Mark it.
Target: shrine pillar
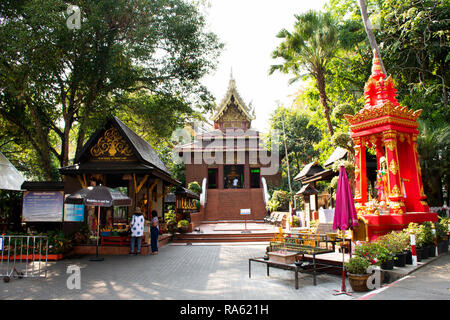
(360, 173)
(395, 194)
(423, 204)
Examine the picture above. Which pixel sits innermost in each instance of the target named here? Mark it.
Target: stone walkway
(197, 272)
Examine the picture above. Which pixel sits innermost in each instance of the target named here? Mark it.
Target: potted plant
(171, 221)
(385, 257)
(183, 225)
(368, 251)
(429, 239)
(442, 235)
(392, 242)
(357, 273)
(404, 239)
(417, 230)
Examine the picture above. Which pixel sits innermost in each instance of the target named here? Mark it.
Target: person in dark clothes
(154, 232)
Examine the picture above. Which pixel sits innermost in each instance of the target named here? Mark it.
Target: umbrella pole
(343, 289)
(98, 236)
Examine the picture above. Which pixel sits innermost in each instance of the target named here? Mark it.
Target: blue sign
(43, 206)
(245, 211)
(73, 212)
(1, 243)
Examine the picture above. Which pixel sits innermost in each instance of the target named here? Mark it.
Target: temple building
(230, 163)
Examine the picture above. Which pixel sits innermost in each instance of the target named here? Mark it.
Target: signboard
(1, 243)
(43, 206)
(245, 211)
(73, 212)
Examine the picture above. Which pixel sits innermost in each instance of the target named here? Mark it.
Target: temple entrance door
(212, 178)
(255, 178)
(234, 176)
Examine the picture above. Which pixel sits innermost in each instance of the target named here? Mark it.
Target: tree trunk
(320, 78)
(369, 31)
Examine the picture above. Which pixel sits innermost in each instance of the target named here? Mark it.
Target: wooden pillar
(221, 176)
(395, 194)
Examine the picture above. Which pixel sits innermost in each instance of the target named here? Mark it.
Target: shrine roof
(381, 106)
(141, 148)
(308, 189)
(232, 91)
(309, 170)
(338, 154)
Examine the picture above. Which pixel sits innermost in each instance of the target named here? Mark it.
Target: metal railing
(23, 257)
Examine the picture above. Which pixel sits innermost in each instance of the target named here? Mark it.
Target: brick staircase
(225, 205)
(222, 237)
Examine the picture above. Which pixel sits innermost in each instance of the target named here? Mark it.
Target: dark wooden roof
(338, 154)
(43, 185)
(309, 170)
(307, 189)
(146, 158)
(142, 150)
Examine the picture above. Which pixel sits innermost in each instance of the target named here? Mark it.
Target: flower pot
(442, 247)
(388, 265)
(408, 257)
(425, 252)
(401, 259)
(358, 282)
(419, 252)
(431, 250)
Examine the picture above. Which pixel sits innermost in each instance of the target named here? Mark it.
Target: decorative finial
(377, 72)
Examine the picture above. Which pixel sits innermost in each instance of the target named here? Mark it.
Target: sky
(248, 29)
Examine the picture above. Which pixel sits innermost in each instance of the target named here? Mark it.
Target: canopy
(10, 178)
(99, 196)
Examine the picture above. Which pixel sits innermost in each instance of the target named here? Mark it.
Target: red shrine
(391, 130)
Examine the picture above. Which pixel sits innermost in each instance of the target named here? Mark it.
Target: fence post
(413, 249)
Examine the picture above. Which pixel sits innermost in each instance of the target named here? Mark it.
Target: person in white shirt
(137, 231)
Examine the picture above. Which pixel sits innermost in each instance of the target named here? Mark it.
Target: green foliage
(393, 241)
(418, 232)
(183, 224)
(307, 50)
(273, 205)
(357, 265)
(283, 198)
(194, 186)
(143, 59)
(427, 233)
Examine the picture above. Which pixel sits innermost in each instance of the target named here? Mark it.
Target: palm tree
(311, 45)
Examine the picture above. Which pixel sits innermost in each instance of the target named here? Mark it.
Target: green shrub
(183, 223)
(357, 265)
(194, 186)
(282, 197)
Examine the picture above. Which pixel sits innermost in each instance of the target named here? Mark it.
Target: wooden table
(293, 266)
(278, 265)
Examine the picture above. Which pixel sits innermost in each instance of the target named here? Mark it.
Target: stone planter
(358, 282)
(401, 259)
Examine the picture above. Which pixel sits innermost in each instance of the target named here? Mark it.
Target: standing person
(137, 230)
(154, 232)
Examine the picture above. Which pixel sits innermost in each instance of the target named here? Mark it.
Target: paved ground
(208, 272)
(199, 272)
(431, 282)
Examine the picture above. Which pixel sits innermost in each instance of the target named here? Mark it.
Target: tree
(300, 140)
(310, 47)
(142, 57)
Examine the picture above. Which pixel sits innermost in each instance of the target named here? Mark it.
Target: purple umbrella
(344, 214)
